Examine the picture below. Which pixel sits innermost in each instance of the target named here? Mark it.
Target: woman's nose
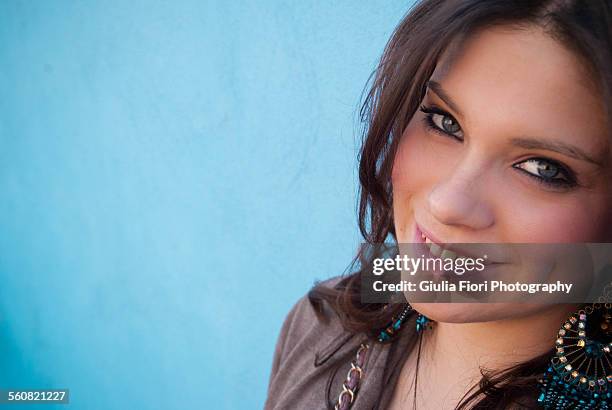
(461, 199)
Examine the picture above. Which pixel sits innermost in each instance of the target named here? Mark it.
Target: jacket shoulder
(308, 338)
(305, 321)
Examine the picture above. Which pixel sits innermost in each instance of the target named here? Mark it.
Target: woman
(487, 121)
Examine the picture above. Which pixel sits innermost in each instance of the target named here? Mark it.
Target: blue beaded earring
(580, 373)
(388, 332)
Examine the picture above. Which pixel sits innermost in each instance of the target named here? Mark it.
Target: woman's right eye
(442, 122)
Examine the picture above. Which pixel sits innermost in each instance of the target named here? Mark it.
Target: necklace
(355, 374)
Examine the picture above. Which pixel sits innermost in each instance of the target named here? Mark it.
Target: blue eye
(547, 172)
(442, 122)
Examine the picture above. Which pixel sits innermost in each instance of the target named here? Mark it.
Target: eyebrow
(439, 91)
(556, 146)
(569, 150)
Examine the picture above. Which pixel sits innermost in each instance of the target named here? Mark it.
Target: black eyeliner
(433, 109)
(568, 183)
(429, 111)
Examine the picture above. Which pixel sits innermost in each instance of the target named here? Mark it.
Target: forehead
(524, 82)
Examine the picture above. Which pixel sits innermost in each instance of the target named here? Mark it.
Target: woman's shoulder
(308, 320)
(311, 335)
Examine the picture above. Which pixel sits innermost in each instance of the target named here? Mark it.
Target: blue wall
(174, 175)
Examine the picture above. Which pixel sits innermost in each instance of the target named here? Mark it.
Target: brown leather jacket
(313, 357)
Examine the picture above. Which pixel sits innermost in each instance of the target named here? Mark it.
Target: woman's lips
(422, 246)
(437, 249)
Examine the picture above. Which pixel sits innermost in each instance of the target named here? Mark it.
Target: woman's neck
(498, 344)
(453, 354)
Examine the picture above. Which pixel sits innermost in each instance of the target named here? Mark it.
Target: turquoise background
(174, 175)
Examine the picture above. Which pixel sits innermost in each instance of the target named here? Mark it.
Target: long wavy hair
(394, 93)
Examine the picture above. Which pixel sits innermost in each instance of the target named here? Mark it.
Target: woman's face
(510, 146)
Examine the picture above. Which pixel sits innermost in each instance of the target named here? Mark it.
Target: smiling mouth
(446, 251)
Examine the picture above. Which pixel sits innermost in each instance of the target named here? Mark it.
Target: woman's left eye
(442, 122)
(547, 172)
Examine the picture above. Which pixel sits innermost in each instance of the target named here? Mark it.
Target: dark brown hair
(395, 92)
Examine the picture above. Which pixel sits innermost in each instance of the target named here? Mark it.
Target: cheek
(417, 167)
(581, 218)
(405, 177)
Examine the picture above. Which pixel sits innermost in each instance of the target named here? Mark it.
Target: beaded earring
(580, 373)
(388, 332)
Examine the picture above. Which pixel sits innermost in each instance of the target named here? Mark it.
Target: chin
(475, 312)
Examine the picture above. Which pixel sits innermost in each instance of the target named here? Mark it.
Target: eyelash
(558, 183)
(555, 183)
(429, 112)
